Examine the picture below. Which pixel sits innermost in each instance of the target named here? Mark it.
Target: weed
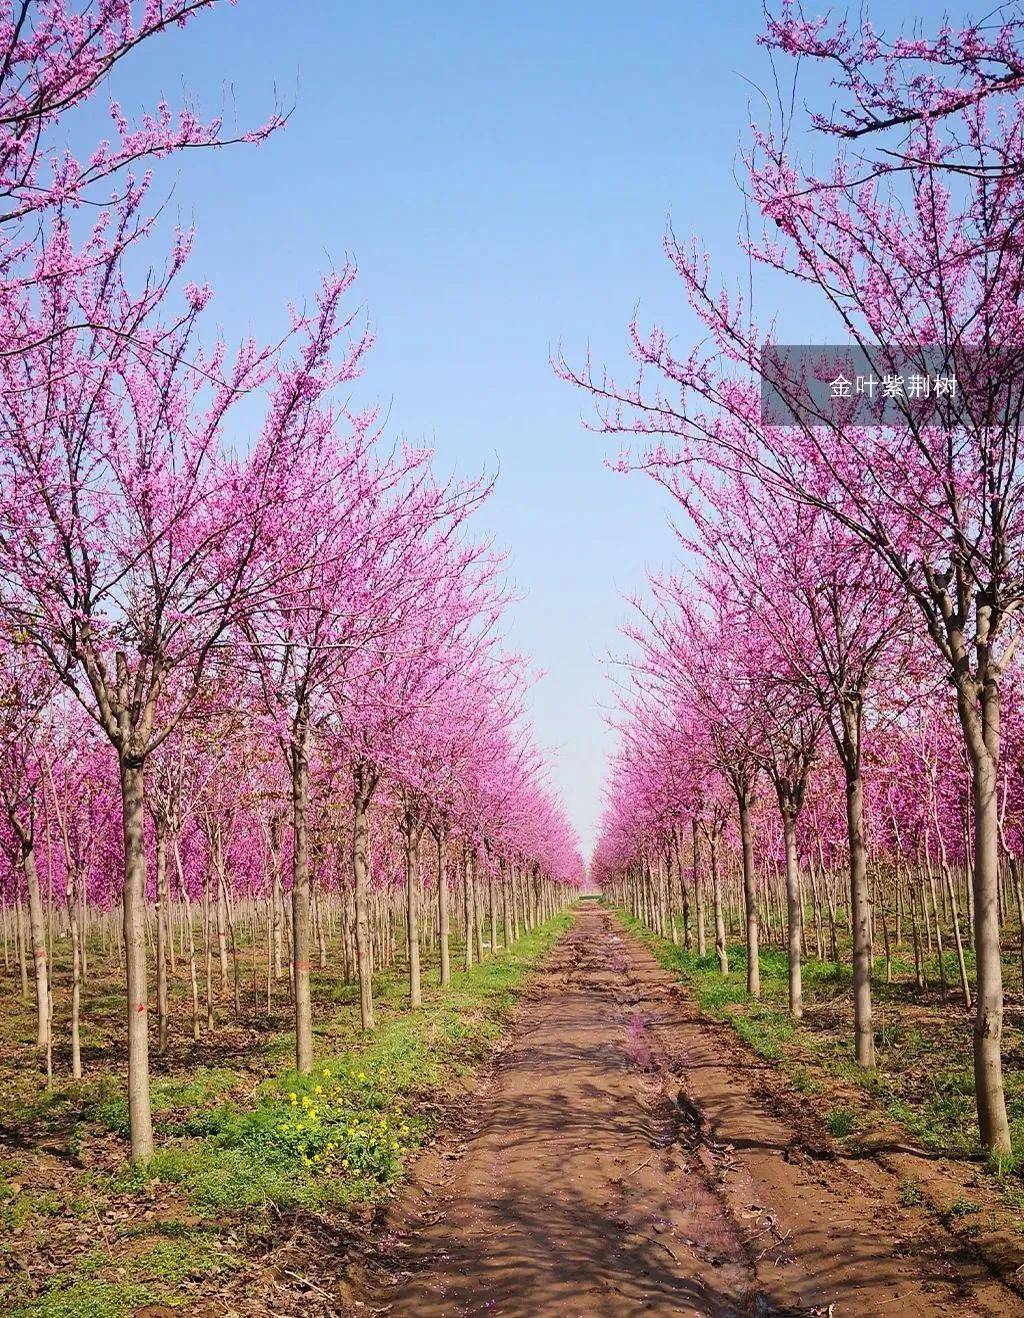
(840, 1121)
(87, 1297)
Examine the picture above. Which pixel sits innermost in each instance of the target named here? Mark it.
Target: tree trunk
(965, 987)
(300, 897)
(442, 911)
(915, 932)
(412, 886)
(988, 1021)
(76, 974)
(363, 784)
(750, 897)
(222, 936)
(276, 896)
(506, 906)
(794, 915)
(19, 942)
(860, 915)
(478, 909)
(716, 898)
(698, 892)
(208, 948)
(1019, 895)
(135, 960)
(938, 925)
(467, 907)
(193, 977)
(162, 917)
(37, 930)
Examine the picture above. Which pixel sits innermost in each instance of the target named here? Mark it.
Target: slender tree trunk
(229, 908)
(1018, 893)
(299, 754)
(983, 747)
(190, 928)
(76, 976)
(716, 898)
(19, 942)
(885, 931)
(208, 947)
(37, 929)
(467, 907)
(412, 892)
(363, 784)
(938, 924)
(478, 909)
(750, 896)
(915, 931)
(442, 910)
(276, 895)
(698, 892)
(506, 907)
(965, 987)
(860, 914)
(162, 917)
(222, 936)
(134, 906)
(794, 915)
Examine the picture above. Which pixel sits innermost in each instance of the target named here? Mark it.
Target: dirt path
(618, 1163)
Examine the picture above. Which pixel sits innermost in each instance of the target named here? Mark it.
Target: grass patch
(86, 1297)
(342, 1133)
(841, 1121)
(204, 1086)
(157, 1275)
(237, 1138)
(20, 1207)
(924, 1078)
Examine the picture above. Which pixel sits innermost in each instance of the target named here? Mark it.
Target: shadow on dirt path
(616, 1163)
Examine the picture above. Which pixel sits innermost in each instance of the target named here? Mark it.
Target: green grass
(840, 1121)
(962, 1208)
(197, 1090)
(156, 1277)
(342, 1133)
(87, 1297)
(924, 1079)
(18, 1210)
(236, 1142)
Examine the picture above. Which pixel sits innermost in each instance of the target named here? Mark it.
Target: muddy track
(618, 1162)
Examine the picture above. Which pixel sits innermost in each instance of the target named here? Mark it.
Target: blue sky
(503, 176)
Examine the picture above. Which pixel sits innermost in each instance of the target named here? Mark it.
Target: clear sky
(503, 175)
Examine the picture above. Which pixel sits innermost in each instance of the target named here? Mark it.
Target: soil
(625, 1156)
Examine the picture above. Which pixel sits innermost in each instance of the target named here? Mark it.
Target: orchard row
(250, 654)
(835, 682)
